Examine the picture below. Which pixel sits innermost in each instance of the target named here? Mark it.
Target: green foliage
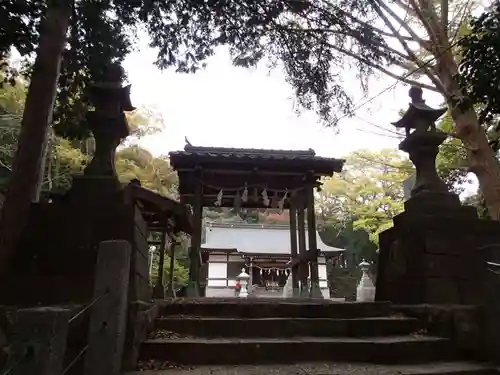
(181, 273)
(345, 236)
(452, 158)
(477, 201)
(12, 98)
(143, 122)
(480, 66)
(369, 191)
(99, 33)
(66, 161)
(479, 73)
(154, 173)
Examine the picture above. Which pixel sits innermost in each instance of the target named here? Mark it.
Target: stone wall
(435, 260)
(5, 333)
(459, 323)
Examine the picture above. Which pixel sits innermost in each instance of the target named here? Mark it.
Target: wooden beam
(304, 258)
(255, 171)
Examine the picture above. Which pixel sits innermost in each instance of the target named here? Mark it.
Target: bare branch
(461, 14)
(384, 70)
(367, 25)
(377, 7)
(348, 33)
(444, 17)
(406, 26)
(429, 18)
(423, 20)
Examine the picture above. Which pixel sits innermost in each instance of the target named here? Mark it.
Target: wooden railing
(58, 341)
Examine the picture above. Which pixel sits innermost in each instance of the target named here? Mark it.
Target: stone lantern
(243, 278)
(430, 255)
(108, 122)
(422, 145)
(366, 290)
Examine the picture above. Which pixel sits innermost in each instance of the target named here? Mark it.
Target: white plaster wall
(323, 281)
(322, 271)
(326, 293)
(217, 271)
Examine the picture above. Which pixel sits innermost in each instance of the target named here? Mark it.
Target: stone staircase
(239, 332)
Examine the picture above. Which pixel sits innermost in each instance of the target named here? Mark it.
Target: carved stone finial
(416, 94)
(114, 73)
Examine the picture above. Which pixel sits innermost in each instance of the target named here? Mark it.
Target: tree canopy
(368, 192)
(480, 66)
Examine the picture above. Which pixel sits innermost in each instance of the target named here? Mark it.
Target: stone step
(288, 327)
(435, 368)
(390, 350)
(273, 308)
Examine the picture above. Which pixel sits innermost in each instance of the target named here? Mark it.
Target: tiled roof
(250, 153)
(252, 238)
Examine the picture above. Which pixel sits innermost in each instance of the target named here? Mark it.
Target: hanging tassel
(218, 202)
(244, 196)
(282, 202)
(265, 198)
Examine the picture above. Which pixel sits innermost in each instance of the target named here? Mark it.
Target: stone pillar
(194, 251)
(108, 315)
(159, 290)
(170, 288)
(39, 341)
(293, 247)
(302, 268)
(315, 291)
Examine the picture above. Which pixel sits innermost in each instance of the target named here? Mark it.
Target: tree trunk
(43, 168)
(482, 160)
(36, 119)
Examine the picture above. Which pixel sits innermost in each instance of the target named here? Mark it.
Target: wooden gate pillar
(303, 269)
(293, 246)
(194, 251)
(315, 291)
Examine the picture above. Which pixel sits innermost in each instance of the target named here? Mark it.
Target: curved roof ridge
(191, 148)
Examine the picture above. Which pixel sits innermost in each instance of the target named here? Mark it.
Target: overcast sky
(236, 107)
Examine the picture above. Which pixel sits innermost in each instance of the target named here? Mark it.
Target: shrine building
(250, 178)
(264, 250)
